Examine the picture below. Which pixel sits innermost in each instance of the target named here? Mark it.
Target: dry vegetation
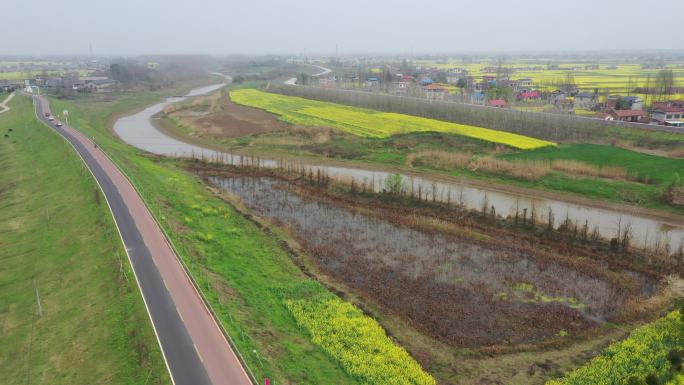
(527, 170)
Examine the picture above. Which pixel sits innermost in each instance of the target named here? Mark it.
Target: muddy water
(490, 284)
(138, 131)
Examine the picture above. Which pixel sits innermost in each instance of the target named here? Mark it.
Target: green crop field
(58, 244)
(249, 279)
(658, 169)
(370, 123)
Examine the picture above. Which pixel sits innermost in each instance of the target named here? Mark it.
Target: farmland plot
(370, 123)
(462, 291)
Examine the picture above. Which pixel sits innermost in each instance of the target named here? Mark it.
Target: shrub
(675, 358)
(652, 379)
(394, 184)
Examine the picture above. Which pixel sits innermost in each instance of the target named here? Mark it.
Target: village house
(399, 87)
(524, 83)
(586, 100)
(611, 102)
(668, 116)
(627, 115)
(497, 103)
(7, 86)
(557, 97)
(372, 83)
(668, 104)
(455, 74)
(634, 102)
(528, 95)
(435, 91)
(477, 97)
(97, 83)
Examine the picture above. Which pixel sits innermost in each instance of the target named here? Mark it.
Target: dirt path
(3, 106)
(194, 347)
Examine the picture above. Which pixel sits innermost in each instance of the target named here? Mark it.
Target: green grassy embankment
(58, 242)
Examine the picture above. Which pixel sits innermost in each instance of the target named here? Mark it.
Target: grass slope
(57, 236)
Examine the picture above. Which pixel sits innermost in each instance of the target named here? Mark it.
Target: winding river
(138, 130)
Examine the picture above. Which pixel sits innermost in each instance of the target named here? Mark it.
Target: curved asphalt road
(324, 71)
(194, 348)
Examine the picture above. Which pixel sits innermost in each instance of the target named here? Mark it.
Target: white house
(668, 116)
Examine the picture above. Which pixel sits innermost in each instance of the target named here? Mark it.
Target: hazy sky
(358, 26)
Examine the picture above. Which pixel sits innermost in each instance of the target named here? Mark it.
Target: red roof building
(669, 104)
(529, 95)
(627, 115)
(497, 103)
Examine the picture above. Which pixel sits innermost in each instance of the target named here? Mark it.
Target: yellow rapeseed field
(358, 342)
(370, 123)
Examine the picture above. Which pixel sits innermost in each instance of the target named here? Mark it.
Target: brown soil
(230, 121)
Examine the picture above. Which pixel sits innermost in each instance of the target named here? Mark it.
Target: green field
(245, 274)
(58, 242)
(370, 123)
(657, 169)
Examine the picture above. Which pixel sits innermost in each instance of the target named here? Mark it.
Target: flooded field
(462, 291)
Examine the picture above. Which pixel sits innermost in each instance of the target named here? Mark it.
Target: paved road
(324, 71)
(195, 350)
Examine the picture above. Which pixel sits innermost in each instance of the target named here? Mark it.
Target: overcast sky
(357, 26)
